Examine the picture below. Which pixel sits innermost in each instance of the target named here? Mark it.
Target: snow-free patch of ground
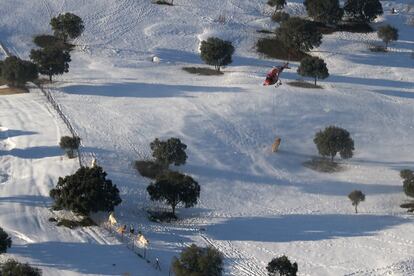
(254, 205)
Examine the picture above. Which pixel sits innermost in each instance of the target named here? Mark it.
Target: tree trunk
(50, 77)
(356, 209)
(173, 209)
(315, 81)
(332, 158)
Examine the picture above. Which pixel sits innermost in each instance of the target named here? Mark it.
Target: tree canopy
(356, 197)
(196, 261)
(326, 11)
(16, 72)
(86, 191)
(51, 61)
(216, 52)
(67, 26)
(299, 34)
(363, 10)
(5, 241)
(281, 266)
(313, 67)
(333, 140)
(387, 33)
(174, 188)
(171, 151)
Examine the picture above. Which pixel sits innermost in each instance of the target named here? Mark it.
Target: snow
(254, 205)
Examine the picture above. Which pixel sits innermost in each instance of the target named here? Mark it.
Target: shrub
(86, 191)
(356, 197)
(388, 33)
(17, 72)
(67, 25)
(49, 41)
(69, 144)
(14, 268)
(174, 188)
(274, 48)
(408, 182)
(217, 52)
(363, 10)
(299, 34)
(333, 140)
(149, 169)
(169, 152)
(72, 224)
(194, 260)
(51, 61)
(202, 71)
(278, 4)
(326, 11)
(313, 67)
(377, 48)
(280, 16)
(5, 241)
(281, 266)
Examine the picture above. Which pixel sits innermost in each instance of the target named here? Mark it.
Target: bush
(174, 188)
(194, 260)
(274, 48)
(217, 52)
(408, 182)
(387, 33)
(17, 72)
(169, 152)
(202, 71)
(326, 11)
(86, 191)
(356, 197)
(149, 169)
(67, 25)
(164, 2)
(377, 48)
(363, 10)
(14, 268)
(280, 16)
(5, 241)
(281, 266)
(299, 34)
(333, 140)
(51, 61)
(72, 224)
(69, 144)
(278, 4)
(313, 67)
(50, 41)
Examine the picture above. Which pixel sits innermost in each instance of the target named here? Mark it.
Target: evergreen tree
(5, 241)
(281, 266)
(278, 4)
(299, 34)
(17, 72)
(217, 52)
(14, 268)
(169, 152)
(333, 140)
(69, 144)
(326, 11)
(196, 261)
(51, 61)
(387, 33)
(356, 197)
(313, 67)
(86, 191)
(67, 25)
(408, 182)
(174, 188)
(363, 10)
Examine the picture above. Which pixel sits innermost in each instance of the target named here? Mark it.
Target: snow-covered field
(254, 205)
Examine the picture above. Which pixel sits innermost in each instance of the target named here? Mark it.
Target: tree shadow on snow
(34, 152)
(145, 90)
(14, 133)
(87, 258)
(27, 200)
(394, 93)
(291, 228)
(329, 187)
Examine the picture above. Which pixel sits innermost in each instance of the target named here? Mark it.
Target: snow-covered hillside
(254, 205)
